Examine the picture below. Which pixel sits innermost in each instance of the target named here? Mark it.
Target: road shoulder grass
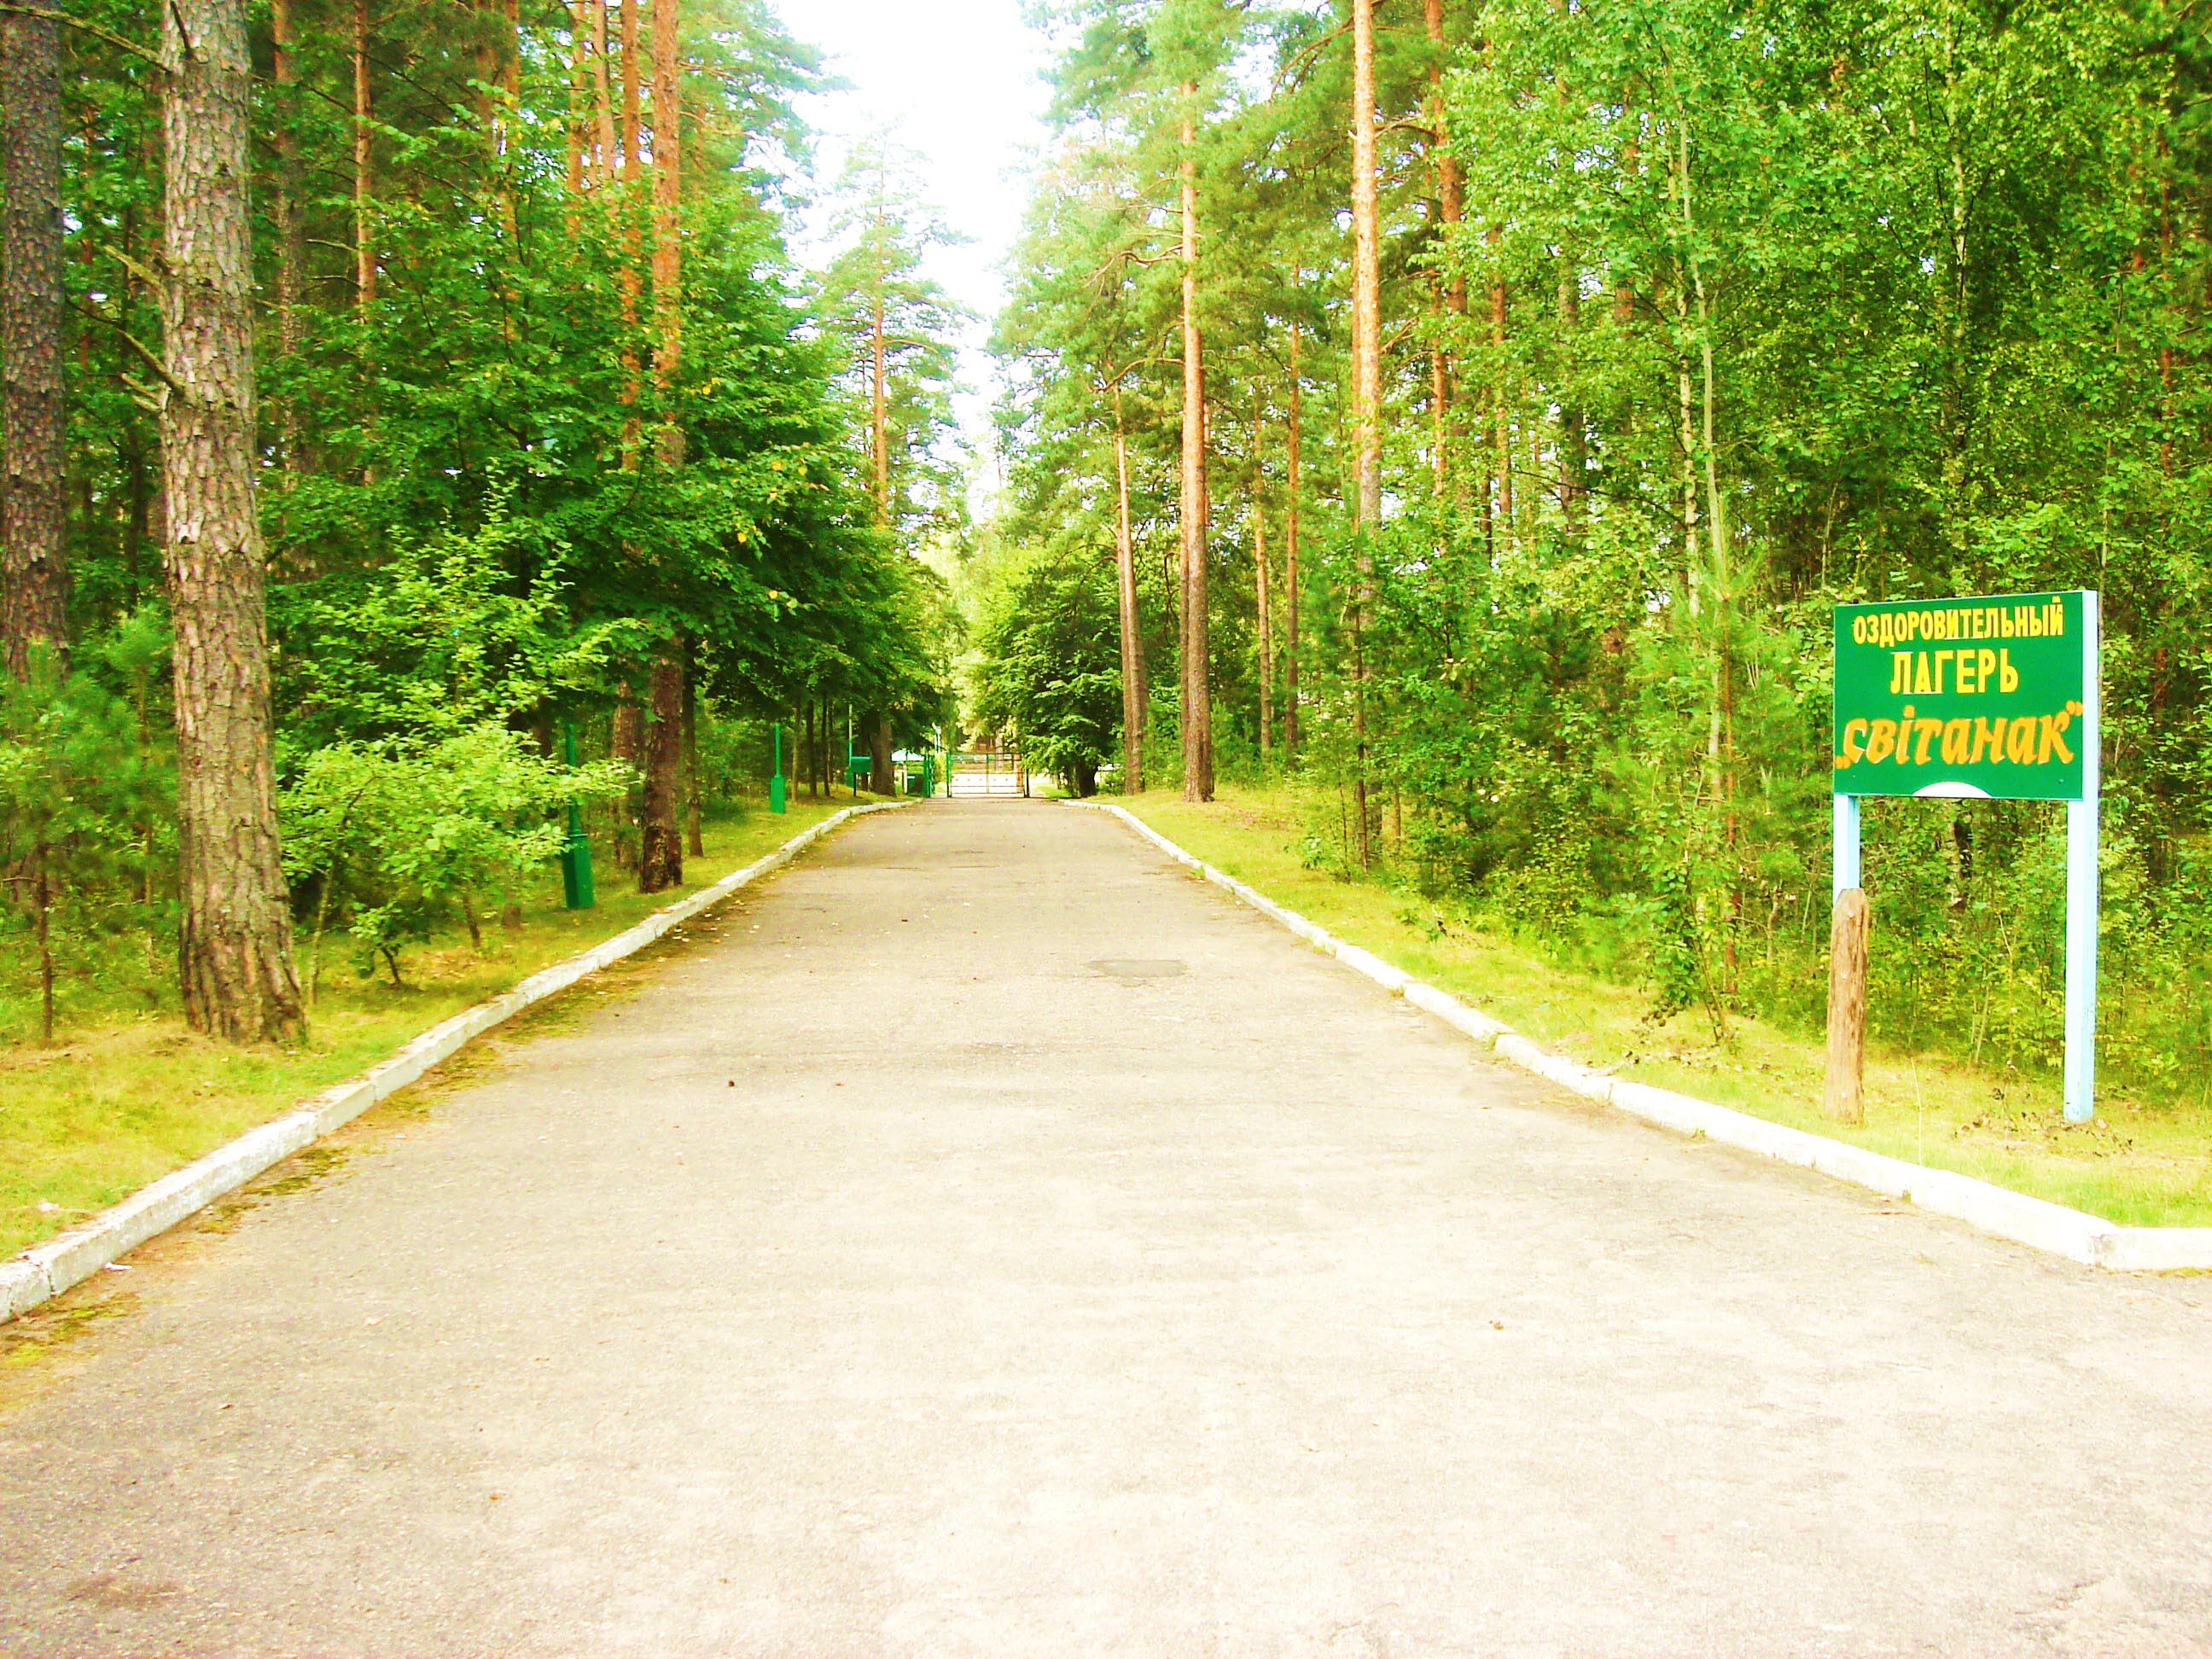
(88, 1121)
(2138, 1164)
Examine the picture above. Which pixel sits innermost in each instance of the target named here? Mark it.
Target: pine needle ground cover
(2142, 1162)
(109, 1108)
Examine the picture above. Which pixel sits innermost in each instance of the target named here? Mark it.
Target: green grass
(2140, 1165)
(109, 1108)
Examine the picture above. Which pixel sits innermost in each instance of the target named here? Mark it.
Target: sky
(956, 82)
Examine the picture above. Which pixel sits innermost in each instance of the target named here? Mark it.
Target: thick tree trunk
(661, 843)
(34, 573)
(236, 943)
(1197, 687)
(1293, 448)
(1367, 387)
(364, 162)
(1134, 700)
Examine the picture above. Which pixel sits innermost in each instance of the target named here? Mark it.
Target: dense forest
(1471, 413)
(417, 422)
(1462, 417)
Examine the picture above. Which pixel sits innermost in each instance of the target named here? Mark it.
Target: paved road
(991, 1241)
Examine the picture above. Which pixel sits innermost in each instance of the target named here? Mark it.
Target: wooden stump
(1847, 1004)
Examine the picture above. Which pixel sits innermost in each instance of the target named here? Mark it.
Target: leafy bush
(85, 837)
(393, 835)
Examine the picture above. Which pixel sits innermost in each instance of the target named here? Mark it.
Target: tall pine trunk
(625, 161)
(1367, 389)
(1450, 208)
(580, 106)
(33, 575)
(603, 148)
(1260, 596)
(879, 417)
(627, 282)
(364, 161)
(291, 224)
(1293, 457)
(660, 855)
(667, 210)
(1197, 687)
(1574, 438)
(1134, 700)
(236, 945)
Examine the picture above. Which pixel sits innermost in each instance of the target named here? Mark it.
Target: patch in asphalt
(1130, 970)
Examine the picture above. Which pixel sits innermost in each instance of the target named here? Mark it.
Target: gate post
(2081, 879)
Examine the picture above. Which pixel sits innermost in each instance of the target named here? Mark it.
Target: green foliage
(886, 317)
(84, 786)
(490, 504)
(392, 836)
(1747, 313)
(1047, 675)
(437, 641)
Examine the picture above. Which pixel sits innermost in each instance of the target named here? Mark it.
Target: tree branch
(93, 29)
(145, 352)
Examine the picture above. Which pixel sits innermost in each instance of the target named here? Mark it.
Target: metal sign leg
(2081, 960)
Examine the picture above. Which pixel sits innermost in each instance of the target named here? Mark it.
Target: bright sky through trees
(956, 82)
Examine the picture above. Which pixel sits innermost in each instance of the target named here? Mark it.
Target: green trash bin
(576, 851)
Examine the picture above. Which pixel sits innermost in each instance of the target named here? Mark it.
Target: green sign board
(1975, 697)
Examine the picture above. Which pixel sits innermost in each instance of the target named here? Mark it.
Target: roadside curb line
(46, 1270)
(2035, 1222)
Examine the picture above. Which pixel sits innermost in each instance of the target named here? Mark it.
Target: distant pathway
(992, 1242)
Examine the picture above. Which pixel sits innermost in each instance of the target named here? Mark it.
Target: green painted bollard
(776, 776)
(575, 856)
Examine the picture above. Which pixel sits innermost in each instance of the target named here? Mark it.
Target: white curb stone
(2034, 1222)
(48, 1269)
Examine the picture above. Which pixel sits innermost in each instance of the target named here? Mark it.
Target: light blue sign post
(2081, 838)
(1981, 698)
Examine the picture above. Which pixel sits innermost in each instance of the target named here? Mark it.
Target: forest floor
(2138, 1163)
(110, 1106)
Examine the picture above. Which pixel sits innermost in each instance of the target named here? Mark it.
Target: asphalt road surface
(987, 1240)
